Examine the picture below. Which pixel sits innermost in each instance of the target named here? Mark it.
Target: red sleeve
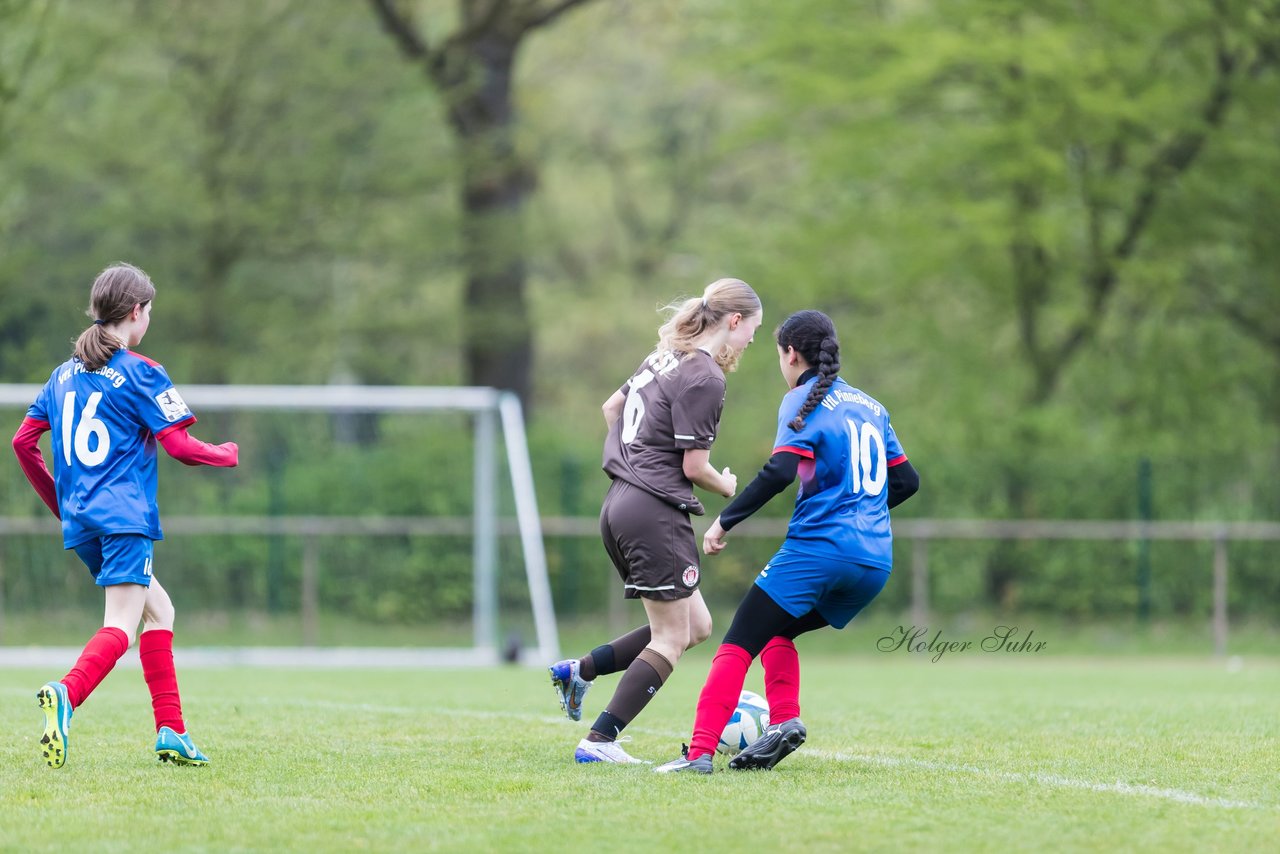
(790, 449)
(26, 444)
(185, 448)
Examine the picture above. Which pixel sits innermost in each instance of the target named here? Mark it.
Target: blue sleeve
(40, 410)
(158, 404)
(776, 476)
(892, 447)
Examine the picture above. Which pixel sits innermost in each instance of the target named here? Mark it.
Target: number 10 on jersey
(866, 467)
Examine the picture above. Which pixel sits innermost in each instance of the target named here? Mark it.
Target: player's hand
(730, 483)
(713, 540)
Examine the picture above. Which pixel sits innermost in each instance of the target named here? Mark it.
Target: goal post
(497, 415)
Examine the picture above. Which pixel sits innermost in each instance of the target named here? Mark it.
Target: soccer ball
(746, 723)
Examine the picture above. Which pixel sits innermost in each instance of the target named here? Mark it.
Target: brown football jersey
(673, 404)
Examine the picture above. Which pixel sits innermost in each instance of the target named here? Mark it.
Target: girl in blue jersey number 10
(107, 407)
(838, 550)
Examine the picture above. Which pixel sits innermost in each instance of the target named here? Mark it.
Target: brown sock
(615, 655)
(636, 688)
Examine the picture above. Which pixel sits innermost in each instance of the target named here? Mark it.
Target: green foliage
(967, 188)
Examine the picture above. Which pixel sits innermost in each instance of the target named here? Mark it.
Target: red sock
(100, 655)
(719, 698)
(155, 648)
(781, 679)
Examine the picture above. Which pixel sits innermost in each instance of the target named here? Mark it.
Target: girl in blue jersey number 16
(838, 550)
(107, 407)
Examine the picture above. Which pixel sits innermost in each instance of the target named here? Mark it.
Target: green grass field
(977, 754)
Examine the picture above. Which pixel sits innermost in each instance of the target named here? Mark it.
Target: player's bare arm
(698, 468)
(612, 408)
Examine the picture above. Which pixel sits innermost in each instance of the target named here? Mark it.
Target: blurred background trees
(1045, 230)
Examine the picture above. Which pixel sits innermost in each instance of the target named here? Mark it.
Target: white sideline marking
(1118, 787)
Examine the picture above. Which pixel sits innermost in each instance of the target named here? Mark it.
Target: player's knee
(699, 631)
(161, 616)
(670, 645)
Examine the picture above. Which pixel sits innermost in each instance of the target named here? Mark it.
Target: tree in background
(24, 42)
(23, 35)
(1012, 160)
(473, 69)
(213, 60)
(1100, 108)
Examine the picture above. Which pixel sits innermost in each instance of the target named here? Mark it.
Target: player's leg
(572, 677)
(99, 656)
(620, 653)
(653, 548)
(121, 566)
(119, 627)
(155, 649)
(786, 731)
(757, 619)
(653, 665)
(124, 590)
(616, 655)
(851, 589)
(781, 664)
(53, 697)
(699, 620)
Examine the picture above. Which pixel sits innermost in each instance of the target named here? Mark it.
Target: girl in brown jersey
(662, 423)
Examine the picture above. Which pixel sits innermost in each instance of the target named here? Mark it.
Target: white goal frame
(491, 409)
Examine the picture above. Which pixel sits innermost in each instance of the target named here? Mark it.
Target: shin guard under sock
(781, 679)
(155, 649)
(100, 655)
(719, 698)
(615, 655)
(636, 688)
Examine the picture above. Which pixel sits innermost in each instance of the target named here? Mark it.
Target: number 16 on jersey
(90, 425)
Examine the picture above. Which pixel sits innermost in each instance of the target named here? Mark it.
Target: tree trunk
(472, 68)
(497, 332)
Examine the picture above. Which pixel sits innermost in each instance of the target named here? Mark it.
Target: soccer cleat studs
(57, 723)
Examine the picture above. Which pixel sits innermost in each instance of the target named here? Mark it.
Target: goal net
(366, 525)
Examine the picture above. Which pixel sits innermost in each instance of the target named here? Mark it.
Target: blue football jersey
(104, 426)
(847, 446)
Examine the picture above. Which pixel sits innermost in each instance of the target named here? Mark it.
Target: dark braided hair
(813, 336)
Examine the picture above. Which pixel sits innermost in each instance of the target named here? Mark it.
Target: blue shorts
(837, 589)
(118, 559)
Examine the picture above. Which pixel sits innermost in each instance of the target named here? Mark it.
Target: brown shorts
(650, 542)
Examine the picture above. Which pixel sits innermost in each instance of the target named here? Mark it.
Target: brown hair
(114, 294)
(696, 315)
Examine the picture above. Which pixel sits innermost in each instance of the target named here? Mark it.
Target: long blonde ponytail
(694, 316)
